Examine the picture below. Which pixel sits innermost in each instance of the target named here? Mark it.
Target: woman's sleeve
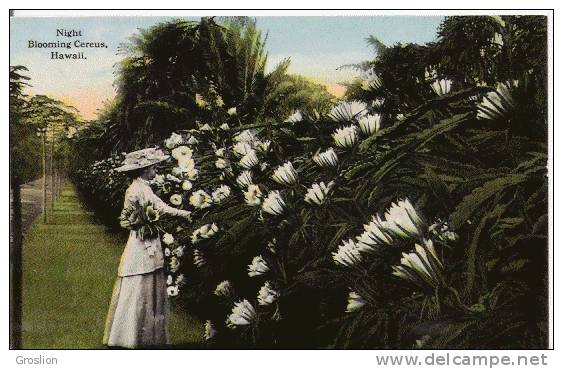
(128, 208)
(165, 208)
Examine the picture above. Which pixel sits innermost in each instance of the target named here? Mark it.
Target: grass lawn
(69, 267)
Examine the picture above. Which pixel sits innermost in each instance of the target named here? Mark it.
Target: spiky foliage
(431, 232)
(177, 73)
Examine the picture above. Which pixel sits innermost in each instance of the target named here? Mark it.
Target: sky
(317, 46)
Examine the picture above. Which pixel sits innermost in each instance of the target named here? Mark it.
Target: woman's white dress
(139, 308)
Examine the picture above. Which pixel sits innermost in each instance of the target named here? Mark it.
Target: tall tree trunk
(52, 167)
(15, 263)
(44, 152)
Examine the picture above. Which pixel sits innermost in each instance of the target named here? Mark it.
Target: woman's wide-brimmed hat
(142, 159)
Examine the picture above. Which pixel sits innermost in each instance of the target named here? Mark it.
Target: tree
(18, 173)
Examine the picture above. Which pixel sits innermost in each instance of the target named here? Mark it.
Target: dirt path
(31, 195)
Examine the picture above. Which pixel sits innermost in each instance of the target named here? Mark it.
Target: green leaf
(477, 198)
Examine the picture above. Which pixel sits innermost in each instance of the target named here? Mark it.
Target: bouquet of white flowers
(144, 219)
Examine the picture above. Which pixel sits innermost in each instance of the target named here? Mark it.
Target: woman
(139, 311)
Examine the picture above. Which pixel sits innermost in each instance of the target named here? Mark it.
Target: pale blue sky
(316, 45)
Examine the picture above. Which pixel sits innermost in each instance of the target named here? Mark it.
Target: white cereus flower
(232, 111)
(221, 193)
(220, 153)
(267, 295)
(172, 291)
(176, 199)
(317, 193)
(250, 160)
(345, 137)
(200, 101)
(355, 302)
(326, 158)
(496, 104)
(258, 266)
(247, 135)
(347, 110)
(224, 289)
(348, 254)
(295, 117)
(192, 140)
(171, 178)
(209, 331)
(441, 230)
(441, 86)
(192, 174)
(221, 163)
(187, 185)
(243, 313)
(174, 140)
(271, 245)
(263, 146)
(370, 124)
(199, 260)
(402, 220)
(285, 174)
(242, 148)
(176, 172)
(180, 279)
(168, 239)
(174, 264)
(158, 180)
(253, 195)
(245, 179)
(179, 251)
(375, 235)
(204, 232)
(421, 267)
(205, 127)
(224, 127)
(200, 199)
(186, 164)
(182, 153)
(273, 204)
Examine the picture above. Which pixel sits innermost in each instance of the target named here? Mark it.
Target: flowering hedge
(358, 229)
(412, 216)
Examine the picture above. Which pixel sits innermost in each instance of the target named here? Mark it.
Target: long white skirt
(139, 312)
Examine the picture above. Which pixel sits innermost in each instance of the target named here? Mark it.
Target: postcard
(279, 182)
